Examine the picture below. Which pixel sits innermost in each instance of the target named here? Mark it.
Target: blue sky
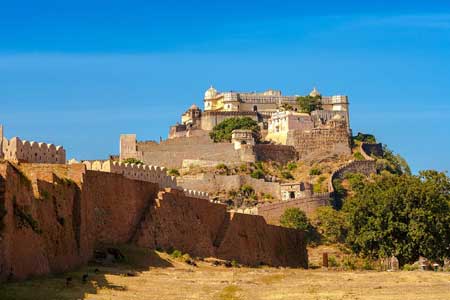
(79, 73)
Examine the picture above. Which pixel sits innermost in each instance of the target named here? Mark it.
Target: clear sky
(79, 73)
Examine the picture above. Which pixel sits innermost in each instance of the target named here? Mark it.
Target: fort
(133, 198)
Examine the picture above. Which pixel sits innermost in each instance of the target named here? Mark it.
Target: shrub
(358, 156)
(257, 174)
(332, 262)
(173, 172)
(247, 190)
(314, 172)
(291, 166)
(222, 168)
(287, 175)
(308, 103)
(222, 131)
(294, 218)
(176, 254)
(243, 168)
(349, 262)
(410, 267)
(366, 138)
(330, 224)
(133, 161)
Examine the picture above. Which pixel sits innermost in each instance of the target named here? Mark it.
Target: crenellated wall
(32, 152)
(53, 216)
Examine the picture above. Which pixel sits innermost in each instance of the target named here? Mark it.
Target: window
(291, 195)
(255, 108)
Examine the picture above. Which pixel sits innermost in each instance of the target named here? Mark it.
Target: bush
(287, 175)
(294, 218)
(173, 172)
(332, 262)
(366, 138)
(243, 168)
(314, 172)
(222, 131)
(222, 169)
(247, 190)
(176, 254)
(410, 267)
(257, 174)
(132, 161)
(358, 156)
(291, 166)
(330, 224)
(308, 104)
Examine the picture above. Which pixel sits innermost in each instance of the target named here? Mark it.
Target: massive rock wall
(172, 152)
(278, 153)
(272, 212)
(52, 216)
(212, 183)
(334, 140)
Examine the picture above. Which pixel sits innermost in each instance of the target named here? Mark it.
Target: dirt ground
(160, 276)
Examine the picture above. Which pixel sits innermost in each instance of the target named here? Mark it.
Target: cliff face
(52, 216)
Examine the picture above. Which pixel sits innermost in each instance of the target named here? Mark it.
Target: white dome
(210, 93)
(314, 93)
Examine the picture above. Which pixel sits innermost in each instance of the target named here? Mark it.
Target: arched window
(255, 108)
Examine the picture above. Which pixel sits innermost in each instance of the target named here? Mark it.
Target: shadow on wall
(72, 286)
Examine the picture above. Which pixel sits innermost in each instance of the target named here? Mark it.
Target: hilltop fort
(228, 194)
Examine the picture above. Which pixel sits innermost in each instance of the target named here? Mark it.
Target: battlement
(32, 152)
(134, 171)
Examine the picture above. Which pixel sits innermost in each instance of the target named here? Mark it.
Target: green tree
(366, 138)
(406, 216)
(330, 224)
(308, 103)
(222, 131)
(295, 218)
(393, 163)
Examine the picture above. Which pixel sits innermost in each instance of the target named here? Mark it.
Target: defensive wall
(32, 152)
(279, 153)
(272, 212)
(369, 150)
(212, 183)
(333, 139)
(53, 216)
(365, 167)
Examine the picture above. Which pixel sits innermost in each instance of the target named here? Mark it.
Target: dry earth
(169, 278)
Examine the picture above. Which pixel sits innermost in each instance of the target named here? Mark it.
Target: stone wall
(365, 167)
(56, 214)
(367, 150)
(278, 153)
(212, 183)
(171, 153)
(23, 151)
(212, 118)
(272, 212)
(332, 140)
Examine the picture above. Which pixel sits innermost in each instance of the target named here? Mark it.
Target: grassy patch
(230, 292)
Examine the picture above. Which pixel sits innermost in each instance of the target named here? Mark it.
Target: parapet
(142, 172)
(32, 152)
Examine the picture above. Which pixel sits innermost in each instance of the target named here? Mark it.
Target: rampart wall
(272, 212)
(279, 153)
(334, 140)
(32, 152)
(367, 150)
(53, 216)
(212, 183)
(366, 167)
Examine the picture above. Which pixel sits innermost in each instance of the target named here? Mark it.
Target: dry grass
(174, 279)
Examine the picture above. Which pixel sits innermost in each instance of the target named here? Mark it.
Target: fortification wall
(272, 212)
(55, 217)
(32, 152)
(206, 229)
(367, 150)
(278, 153)
(365, 167)
(212, 183)
(171, 153)
(333, 140)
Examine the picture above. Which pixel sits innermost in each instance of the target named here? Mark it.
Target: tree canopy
(222, 131)
(406, 216)
(294, 218)
(308, 103)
